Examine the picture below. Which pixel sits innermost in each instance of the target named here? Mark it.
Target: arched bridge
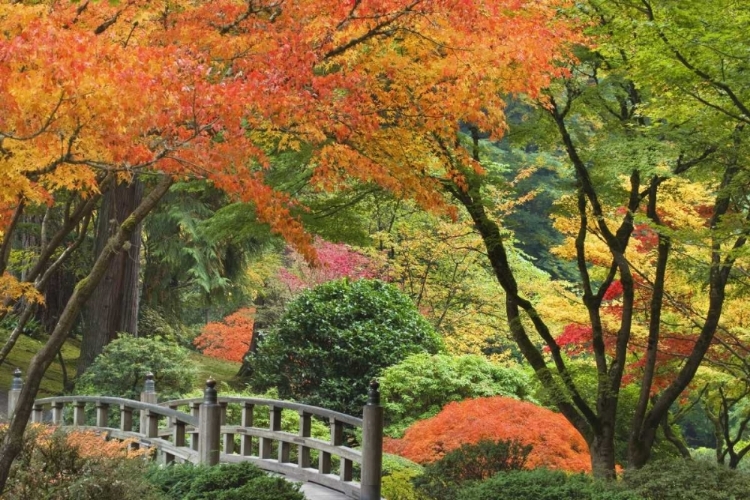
(198, 431)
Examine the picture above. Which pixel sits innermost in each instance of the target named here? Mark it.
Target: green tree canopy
(333, 339)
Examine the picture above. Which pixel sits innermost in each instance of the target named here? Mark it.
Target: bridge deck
(316, 492)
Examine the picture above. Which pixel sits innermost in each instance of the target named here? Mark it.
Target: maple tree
(633, 147)
(96, 93)
(556, 444)
(230, 338)
(439, 264)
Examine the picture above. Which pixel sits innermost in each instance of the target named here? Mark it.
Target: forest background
(561, 187)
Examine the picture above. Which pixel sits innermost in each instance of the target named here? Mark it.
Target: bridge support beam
(372, 445)
(209, 427)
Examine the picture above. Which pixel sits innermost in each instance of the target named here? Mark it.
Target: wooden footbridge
(198, 431)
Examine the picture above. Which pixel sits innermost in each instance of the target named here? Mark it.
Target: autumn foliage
(335, 261)
(89, 444)
(556, 444)
(230, 338)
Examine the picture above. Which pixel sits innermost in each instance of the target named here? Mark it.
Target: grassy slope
(223, 371)
(21, 355)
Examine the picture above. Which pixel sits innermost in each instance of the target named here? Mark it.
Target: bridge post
(209, 426)
(14, 392)
(372, 444)
(147, 396)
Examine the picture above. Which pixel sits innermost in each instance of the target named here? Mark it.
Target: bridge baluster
(152, 424)
(126, 418)
(36, 414)
(324, 462)
(195, 410)
(305, 427)
(178, 433)
(57, 413)
(337, 432)
(227, 438)
(178, 438)
(274, 418)
(102, 414)
(337, 439)
(283, 445)
(246, 444)
(79, 413)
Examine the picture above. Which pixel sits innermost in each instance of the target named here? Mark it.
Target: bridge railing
(172, 444)
(293, 453)
(197, 430)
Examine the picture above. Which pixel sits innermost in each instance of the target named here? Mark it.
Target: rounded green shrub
(333, 339)
(120, 369)
(398, 478)
(400, 486)
(544, 484)
(422, 384)
(241, 481)
(443, 478)
(679, 479)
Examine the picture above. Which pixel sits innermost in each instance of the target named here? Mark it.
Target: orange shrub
(91, 444)
(230, 338)
(556, 444)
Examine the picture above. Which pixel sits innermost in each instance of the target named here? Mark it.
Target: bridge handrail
(289, 405)
(129, 403)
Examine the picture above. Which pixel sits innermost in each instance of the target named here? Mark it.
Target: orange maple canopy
(209, 89)
(555, 442)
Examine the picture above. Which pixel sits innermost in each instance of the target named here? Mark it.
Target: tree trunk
(114, 306)
(602, 449)
(246, 370)
(13, 440)
(56, 294)
(639, 448)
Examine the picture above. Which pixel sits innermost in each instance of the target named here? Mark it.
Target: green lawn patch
(52, 384)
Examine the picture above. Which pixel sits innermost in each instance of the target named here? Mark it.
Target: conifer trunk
(114, 305)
